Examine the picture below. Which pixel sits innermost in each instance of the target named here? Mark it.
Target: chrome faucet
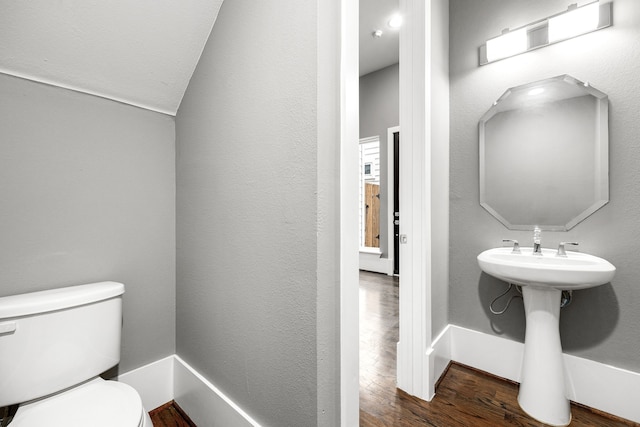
(537, 248)
(561, 251)
(516, 245)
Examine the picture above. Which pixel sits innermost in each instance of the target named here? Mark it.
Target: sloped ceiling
(140, 52)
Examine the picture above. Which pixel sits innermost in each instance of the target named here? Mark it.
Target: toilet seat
(98, 403)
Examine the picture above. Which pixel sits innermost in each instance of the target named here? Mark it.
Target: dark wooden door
(396, 203)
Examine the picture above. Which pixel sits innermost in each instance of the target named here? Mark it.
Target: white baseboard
(489, 353)
(154, 382)
(205, 404)
(374, 262)
(594, 384)
(172, 378)
(439, 356)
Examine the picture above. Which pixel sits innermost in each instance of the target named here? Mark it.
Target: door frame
(415, 286)
(424, 193)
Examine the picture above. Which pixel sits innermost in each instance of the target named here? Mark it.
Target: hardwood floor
(170, 415)
(464, 398)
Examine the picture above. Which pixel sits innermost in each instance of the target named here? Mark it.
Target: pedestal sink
(543, 278)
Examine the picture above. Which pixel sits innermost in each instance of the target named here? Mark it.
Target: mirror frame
(602, 141)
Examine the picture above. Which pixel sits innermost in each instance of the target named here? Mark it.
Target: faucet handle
(561, 251)
(516, 246)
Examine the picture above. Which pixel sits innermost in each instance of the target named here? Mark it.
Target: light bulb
(574, 22)
(506, 45)
(395, 21)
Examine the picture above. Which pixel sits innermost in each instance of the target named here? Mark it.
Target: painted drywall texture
(247, 211)
(438, 97)
(88, 194)
(379, 110)
(602, 323)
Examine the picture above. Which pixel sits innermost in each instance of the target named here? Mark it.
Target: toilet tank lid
(57, 299)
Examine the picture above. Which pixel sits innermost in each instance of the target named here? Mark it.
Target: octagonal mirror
(544, 154)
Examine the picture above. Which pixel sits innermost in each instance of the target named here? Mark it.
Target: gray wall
(88, 194)
(438, 130)
(602, 323)
(247, 211)
(379, 110)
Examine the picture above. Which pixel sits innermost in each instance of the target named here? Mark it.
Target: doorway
(378, 201)
(396, 203)
(424, 198)
(424, 191)
(393, 186)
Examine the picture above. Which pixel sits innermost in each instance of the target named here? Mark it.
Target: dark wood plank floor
(170, 415)
(464, 397)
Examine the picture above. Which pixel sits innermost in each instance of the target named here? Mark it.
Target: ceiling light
(536, 91)
(395, 21)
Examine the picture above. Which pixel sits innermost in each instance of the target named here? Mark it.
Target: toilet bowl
(53, 346)
(97, 403)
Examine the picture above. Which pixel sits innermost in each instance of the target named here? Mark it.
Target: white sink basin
(576, 271)
(543, 278)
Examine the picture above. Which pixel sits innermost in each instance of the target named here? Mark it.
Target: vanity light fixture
(575, 21)
(510, 43)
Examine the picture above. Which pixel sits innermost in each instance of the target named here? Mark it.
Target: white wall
(437, 96)
(88, 194)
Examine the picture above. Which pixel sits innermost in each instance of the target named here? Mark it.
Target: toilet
(53, 346)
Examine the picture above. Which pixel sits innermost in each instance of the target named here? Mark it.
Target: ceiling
(377, 53)
(141, 52)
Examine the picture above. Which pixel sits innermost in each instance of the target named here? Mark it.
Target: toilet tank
(55, 339)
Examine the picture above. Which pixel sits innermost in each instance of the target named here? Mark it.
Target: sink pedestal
(542, 275)
(542, 384)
